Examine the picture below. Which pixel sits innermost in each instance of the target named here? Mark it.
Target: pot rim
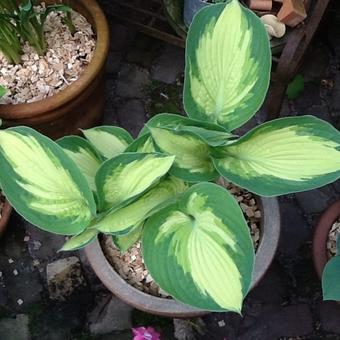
(321, 231)
(100, 26)
(271, 226)
(5, 215)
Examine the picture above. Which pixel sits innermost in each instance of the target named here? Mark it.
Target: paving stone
(113, 62)
(276, 321)
(230, 325)
(110, 314)
(272, 288)
(335, 102)
(117, 336)
(15, 329)
(144, 51)
(329, 313)
(295, 230)
(183, 330)
(24, 288)
(58, 321)
(319, 111)
(110, 115)
(131, 81)
(63, 277)
(131, 116)
(19, 281)
(336, 186)
(121, 37)
(43, 245)
(310, 97)
(169, 65)
(316, 63)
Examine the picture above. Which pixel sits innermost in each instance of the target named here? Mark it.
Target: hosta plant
(160, 187)
(331, 275)
(21, 21)
(2, 91)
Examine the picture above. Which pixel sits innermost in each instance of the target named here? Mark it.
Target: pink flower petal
(142, 333)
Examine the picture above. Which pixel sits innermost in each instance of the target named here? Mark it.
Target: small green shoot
(296, 87)
(25, 22)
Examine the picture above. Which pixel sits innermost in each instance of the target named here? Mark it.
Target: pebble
(36, 263)
(332, 238)
(221, 323)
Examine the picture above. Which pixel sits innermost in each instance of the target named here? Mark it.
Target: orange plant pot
(81, 104)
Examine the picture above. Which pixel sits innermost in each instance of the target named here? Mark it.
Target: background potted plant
(80, 104)
(326, 252)
(196, 243)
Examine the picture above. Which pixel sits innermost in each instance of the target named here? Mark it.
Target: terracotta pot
(321, 232)
(5, 215)
(78, 106)
(270, 232)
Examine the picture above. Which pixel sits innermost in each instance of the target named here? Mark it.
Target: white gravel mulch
(38, 77)
(332, 238)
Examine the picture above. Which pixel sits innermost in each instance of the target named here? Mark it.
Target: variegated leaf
(125, 242)
(193, 159)
(42, 183)
(128, 175)
(81, 240)
(228, 62)
(110, 141)
(83, 154)
(122, 220)
(203, 243)
(3, 91)
(143, 144)
(331, 279)
(210, 133)
(283, 156)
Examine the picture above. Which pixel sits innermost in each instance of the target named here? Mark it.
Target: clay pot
(78, 106)
(270, 232)
(321, 232)
(5, 215)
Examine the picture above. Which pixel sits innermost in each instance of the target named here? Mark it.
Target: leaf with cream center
(228, 63)
(121, 221)
(42, 183)
(282, 156)
(109, 141)
(83, 154)
(193, 162)
(129, 175)
(199, 250)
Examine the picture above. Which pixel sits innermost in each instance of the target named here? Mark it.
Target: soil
(332, 238)
(130, 265)
(38, 77)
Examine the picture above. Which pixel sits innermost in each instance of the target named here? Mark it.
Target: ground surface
(144, 77)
